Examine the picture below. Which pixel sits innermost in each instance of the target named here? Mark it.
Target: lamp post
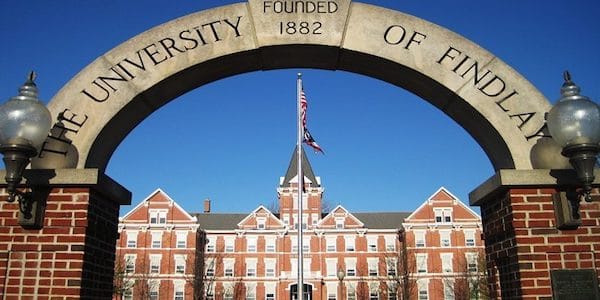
(340, 275)
(574, 123)
(24, 125)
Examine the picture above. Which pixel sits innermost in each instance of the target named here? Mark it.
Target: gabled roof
(158, 193)
(343, 210)
(292, 170)
(257, 210)
(443, 195)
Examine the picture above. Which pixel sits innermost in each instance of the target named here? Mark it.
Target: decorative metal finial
(569, 90)
(567, 76)
(29, 90)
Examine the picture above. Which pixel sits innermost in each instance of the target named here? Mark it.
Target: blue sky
(231, 140)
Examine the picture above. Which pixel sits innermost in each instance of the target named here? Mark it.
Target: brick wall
(72, 256)
(523, 244)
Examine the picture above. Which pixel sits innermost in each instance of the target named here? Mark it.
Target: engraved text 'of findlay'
(156, 53)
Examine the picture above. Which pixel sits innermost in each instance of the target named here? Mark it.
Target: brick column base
(523, 244)
(73, 255)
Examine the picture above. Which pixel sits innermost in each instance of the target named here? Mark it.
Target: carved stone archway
(107, 99)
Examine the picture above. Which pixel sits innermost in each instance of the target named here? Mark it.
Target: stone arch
(107, 99)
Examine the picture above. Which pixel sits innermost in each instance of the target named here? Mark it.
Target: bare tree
(470, 282)
(405, 278)
(122, 280)
(327, 206)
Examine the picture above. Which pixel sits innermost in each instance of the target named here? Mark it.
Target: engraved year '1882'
(303, 28)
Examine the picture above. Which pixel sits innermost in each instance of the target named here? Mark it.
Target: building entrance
(307, 291)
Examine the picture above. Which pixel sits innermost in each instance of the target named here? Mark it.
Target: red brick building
(156, 250)
(254, 255)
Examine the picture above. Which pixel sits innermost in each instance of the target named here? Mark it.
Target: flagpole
(300, 176)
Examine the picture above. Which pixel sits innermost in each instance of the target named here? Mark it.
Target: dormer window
(339, 223)
(158, 216)
(261, 223)
(443, 215)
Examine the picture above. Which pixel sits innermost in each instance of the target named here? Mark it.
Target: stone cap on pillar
(92, 178)
(539, 178)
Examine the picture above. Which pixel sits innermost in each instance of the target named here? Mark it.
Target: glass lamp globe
(24, 120)
(575, 119)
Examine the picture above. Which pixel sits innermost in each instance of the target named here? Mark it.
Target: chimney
(206, 205)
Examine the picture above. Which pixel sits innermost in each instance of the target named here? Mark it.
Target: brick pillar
(523, 244)
(73, 255)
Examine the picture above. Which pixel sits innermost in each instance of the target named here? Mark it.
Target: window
(392, 291)
(349, 243)
(269, 291)
(372, 264)
(229, 244)
(130, 263)
(305, 266)
(469, 238)
(178, 287)
(350, 266)
(306, 245)
(228, 267)
(445, 238)
(269, 267)
(155, 263)
(448, 289)
(210, 267)
(251, 291)
(296, 222)
(156, 239)
(390, 243)
(128, 294)
(372, 244)
(331, 264)
(158, 216)
(332, 290)
(261, 223)
(472, 262)
(330, 243)
(294, 244)
(374, 295)
(339, 223)
(304, 221)
(251, 244)
(180, 264)
(420, 239)
(443, 215)
(251, 267)
(228, 291)
(351, 292)
(286, 220)
(154, 294)
(423, 290)
(210, 291)
(211, 244)
(446, 262)
(181, 239)
(314, 219)
(270, 244)
(390, 263)
(421, 260)
(373, 292)
(131, 239)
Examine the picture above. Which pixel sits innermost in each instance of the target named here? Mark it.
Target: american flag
(307, 139)
(303, 107)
